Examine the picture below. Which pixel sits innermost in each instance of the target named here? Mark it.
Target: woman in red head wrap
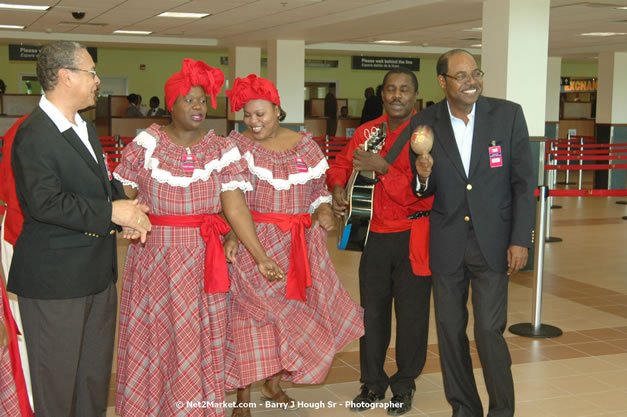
(288, 329)
(173, 312)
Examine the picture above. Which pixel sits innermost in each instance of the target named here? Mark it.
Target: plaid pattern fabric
(9, 404)
(269, 333)
(171, 343)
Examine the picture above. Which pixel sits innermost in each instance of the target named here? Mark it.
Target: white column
(515, 53)
(611, 97)
(553, 88)
(286, 68)
(242, 61)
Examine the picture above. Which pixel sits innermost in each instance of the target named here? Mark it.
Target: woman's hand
(130, 233)
(324, 217)
(231, 247)
(270, 269)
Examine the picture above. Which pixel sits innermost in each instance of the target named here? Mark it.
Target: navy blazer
(67, 247)
(498, 201)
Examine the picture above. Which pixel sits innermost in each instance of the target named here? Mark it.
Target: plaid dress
(269, 332)
(9, 404)
(171, 343)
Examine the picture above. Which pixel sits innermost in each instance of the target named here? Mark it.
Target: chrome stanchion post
(536, 328)
(567, 178)
(547, 224)
(581, 163)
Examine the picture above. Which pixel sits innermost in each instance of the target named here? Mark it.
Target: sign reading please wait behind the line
(384, 63)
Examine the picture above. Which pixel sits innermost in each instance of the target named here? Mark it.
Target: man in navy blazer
(480, 171)
(64, 265)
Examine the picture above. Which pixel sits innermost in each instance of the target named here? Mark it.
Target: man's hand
(369, 161)
(424, 165)
(516, 258)
(324, 217)
(129, 213)
(339, 201)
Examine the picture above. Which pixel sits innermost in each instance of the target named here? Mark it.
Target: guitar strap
(396, 149)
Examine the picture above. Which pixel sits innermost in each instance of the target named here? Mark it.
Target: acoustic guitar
(355, 224)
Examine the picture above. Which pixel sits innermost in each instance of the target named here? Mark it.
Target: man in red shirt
(394, 265)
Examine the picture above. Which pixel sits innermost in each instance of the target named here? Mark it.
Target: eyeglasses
(462, 77)
(92, 72)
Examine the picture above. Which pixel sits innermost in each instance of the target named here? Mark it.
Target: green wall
(352, 83)
(580, 69)
(163, 62)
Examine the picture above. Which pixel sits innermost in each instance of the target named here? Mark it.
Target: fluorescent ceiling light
(23, 7)
(480, 29)
(477, 45)
(132, 32)
(390, 42)
(603, 34)
(620, 8)
(11, 27)
(184, 15)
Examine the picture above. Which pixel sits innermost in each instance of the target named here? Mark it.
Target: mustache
(471, 87)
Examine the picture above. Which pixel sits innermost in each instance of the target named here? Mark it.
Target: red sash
(299, 275)
(211, 227)
(14, 353)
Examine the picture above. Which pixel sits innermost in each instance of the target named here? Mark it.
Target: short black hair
(403, 70)
(442, 65)
(133, 98)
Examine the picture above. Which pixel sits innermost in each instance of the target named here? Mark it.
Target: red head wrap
(193, 73)
(252, 88)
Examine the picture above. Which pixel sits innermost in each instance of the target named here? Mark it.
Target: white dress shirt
(63, 124)
(463, 135)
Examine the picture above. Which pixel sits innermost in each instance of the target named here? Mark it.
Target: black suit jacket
(67, 247)
(499, 201)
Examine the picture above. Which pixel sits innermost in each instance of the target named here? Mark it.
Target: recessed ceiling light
(184, 15)
(479, 29)
(603, 34)
(11, 27)
(132, 32)
(390, 42)
(23, 7)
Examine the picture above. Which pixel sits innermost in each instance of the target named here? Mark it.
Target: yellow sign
(581, 85)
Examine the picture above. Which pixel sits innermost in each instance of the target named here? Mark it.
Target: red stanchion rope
(585, 193)
(587, 167)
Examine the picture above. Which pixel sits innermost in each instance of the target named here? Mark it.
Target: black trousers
(385, 275)
(70, 351)
(489, 302)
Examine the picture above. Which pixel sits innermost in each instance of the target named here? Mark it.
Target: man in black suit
(480, 171)
(64, 266)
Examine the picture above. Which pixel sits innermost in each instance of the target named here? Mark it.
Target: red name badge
(300, 164)
(188, 162)
(496, 159)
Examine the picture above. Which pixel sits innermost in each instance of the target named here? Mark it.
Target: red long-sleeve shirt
(393, 199)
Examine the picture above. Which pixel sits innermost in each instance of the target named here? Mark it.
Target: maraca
(422, 140)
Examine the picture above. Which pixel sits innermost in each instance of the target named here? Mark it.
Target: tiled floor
(581, 373)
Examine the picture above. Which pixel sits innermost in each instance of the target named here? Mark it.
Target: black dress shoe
(366, 399)
(400, 404)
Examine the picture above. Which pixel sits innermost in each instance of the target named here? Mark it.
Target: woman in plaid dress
(173, 311)
(13, 395)
(284, 329)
